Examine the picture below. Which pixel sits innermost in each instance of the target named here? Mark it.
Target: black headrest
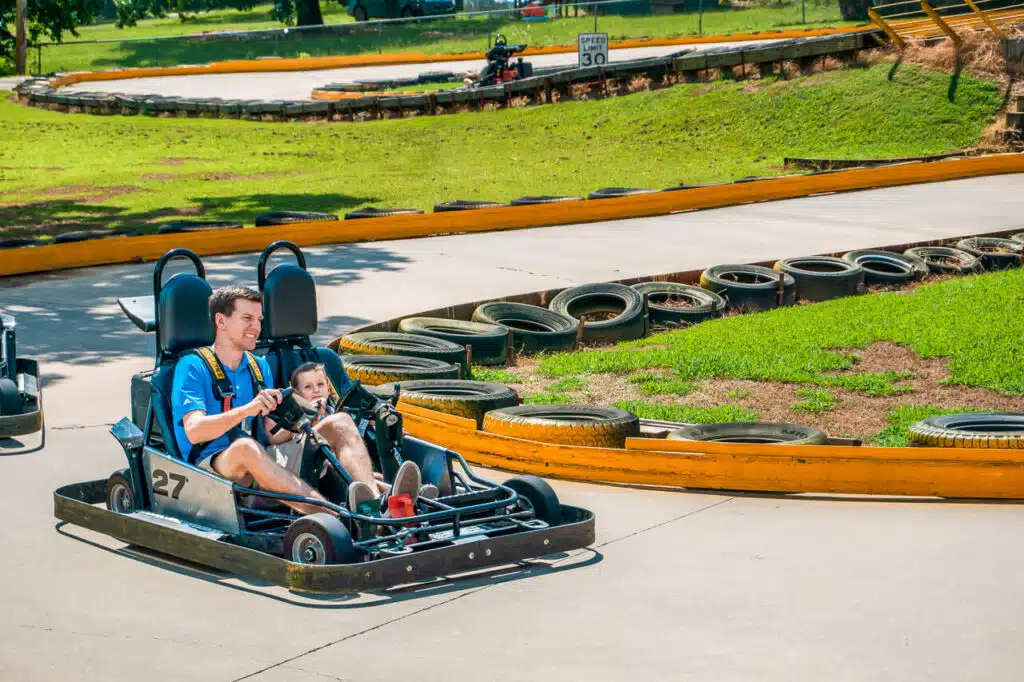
(183, 314)
(289, 302)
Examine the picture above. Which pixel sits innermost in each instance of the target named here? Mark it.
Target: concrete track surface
(678, 586)
(297, 85)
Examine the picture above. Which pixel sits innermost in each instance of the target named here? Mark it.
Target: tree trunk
(307, 13)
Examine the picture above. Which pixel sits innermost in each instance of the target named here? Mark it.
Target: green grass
(658, 384)
(899, 420)
(453, 35)
(816, 400)
(500, 376)
(568, 384)
(687, 414)
(874, 385)
(549, 399)
(971, 321)
(61, 172)
(737, 394)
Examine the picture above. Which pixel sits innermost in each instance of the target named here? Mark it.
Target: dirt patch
(175, 161)
(857, 415)
(100, 195)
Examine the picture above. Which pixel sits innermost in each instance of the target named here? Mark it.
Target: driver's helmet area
(182, 324)
(290, 319)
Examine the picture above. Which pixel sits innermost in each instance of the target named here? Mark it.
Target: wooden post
(893, 36)
(579, 330)
(466, 372)
(509, 349)
(943, 26)
(20, 39)
(647, 315)
(984, 17)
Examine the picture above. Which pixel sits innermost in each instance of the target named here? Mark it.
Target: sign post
(593, 49)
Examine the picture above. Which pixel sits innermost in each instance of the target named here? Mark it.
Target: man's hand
(264, 402)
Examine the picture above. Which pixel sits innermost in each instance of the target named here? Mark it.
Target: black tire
(750, 432)
(612, 192)
(408, 13)
(542, 199)
(984, 430)
(749, 287)
(461, 205)
(286, 217)
(994, 253)
(120, 496)
(533, 328)
(672, 303)
(540, 496)
(176, 226)
(409, 345)
(10, 398)
(359, 13)
(624, 303)
(678, 188)
(887, 267)
(583, 425)
(469, 399)
(81, 236)
(943, 260)
(18, 242)
(489, 341)
(821, 278)
(1019, 237)
(374, 370)
(319, 540)
(371, 212)
(373, 84)
(436, 77)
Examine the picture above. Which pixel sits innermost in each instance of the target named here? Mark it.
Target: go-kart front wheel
(539, 495)
(120, 497)
(319, 539)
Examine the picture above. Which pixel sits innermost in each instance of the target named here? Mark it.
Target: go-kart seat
(8, 355)
(183, 323)
(289, 319)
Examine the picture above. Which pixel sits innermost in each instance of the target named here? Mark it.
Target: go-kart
(499, 69)
(164, 502)
(21, 398)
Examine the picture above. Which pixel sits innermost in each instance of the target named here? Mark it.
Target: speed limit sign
(593, 49)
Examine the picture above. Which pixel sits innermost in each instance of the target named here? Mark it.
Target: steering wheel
(293, 413)
(500, 40)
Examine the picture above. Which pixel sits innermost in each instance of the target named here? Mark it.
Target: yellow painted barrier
(150, 247)
(396, 58)
(939, 472)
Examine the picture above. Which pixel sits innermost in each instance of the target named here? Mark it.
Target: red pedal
(400, 506)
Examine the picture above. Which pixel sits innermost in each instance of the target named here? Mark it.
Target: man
(217, 435)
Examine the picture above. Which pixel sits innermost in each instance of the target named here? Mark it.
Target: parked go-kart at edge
(163, 502)
(21, 398)
(498, 69)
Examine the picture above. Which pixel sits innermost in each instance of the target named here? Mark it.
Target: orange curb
(832, 469)
(150, 247)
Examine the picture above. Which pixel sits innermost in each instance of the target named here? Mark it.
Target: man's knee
(243, 453)
(339, 423)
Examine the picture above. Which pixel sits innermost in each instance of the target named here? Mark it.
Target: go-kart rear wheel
(319, 539)
(539, 495)
(120, 497)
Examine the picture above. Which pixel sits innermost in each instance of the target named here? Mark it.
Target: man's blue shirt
(193, 390)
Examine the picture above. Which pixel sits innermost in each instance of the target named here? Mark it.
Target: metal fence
(469, 31)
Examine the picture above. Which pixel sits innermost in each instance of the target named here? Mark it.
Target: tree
(49, 19)
(854, 10)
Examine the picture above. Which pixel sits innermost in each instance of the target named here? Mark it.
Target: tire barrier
(186, 226)
(750, 287)
(750, 432)
(469, 399)
(542, 199)
(488, 341)
(669, 303)
(585, 425)
(991, 430)
(533, 329)
(943, 260)
(371, 212)
(461, 205)
(993, 253)
(408, 345)
(622, 306)
(374, 370)
(612, 192)
(821, 278)
(886, 267)
(43, 92)
(288, 217)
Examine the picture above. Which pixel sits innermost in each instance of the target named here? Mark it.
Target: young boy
(310, 381)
